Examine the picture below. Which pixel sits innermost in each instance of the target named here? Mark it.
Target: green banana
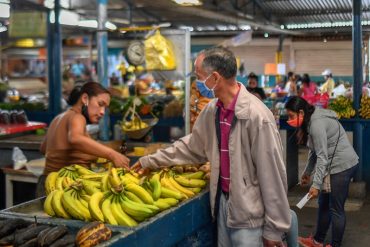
(198, 174)
(133, 210)
(121, 217)
(89, 187)
(156, 186)
(83, 170)
(70, 205)
(162, 205)
(140, 192)
(171, 201)
(168, 193)
(133, 197)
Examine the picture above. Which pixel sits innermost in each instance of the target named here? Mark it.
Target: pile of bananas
(18, 232)
(343, 107)
(365, 107)
(117, 196)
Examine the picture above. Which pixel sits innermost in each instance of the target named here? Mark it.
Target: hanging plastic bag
(19, 159)
(159, 53)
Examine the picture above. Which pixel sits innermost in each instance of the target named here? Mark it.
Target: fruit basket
(140, 132)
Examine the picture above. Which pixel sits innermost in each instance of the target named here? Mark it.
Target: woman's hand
(313, 193)
(119, 160)
(272, 243)
(305, 180)
(139, 169)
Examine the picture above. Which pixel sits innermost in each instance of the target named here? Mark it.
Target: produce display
(117, 196)
(365, 107)
(18, 232)
(343, 107)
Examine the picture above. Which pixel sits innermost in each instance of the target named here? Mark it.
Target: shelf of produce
(8, 129)
(178, 226)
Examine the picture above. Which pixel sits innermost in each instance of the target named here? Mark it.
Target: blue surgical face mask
(204, 90)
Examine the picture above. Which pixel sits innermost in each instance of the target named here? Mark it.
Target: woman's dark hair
(306, 79)
(90, 88)
(295, 104)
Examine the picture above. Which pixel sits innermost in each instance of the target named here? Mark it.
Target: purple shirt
(226, 118)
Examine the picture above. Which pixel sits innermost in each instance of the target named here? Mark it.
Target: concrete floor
(357, 233)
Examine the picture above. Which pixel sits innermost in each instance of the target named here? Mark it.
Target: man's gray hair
(221, 60)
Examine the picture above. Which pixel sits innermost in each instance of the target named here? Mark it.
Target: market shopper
(309, 88)
(329, 84)
(330, 152)
(291, 85)
(253, 88)
(67, 141)
(247, 188)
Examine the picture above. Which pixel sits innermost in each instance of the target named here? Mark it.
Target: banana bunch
(365, 107)
(118, 196)
(343, 107)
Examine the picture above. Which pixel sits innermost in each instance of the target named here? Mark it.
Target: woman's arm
(78, 140)
(43, 146)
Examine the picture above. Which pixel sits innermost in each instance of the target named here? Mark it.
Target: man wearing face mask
(247, 188)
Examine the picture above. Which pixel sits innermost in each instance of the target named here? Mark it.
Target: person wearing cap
(253, 88)
(329, 84)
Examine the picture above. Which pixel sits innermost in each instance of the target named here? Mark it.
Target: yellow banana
(67, 182)
(140, 192)
(162, 205)
(183, 190)
(114, 179)
(93, 177)
(94, 206)
(189, 182)
(198, 174)
(50, 182)
(126, 180)
(59, 183)
(171, 201)
(70, 205)
(89, 187)
(83, 170)
(121, 217)
(156, 186)
(196, 190)
(106, 209)
(133, 197)
(132, 178)
(105, 185)
(58, 208)
(168, 193)
(166, 184)
(48, 208)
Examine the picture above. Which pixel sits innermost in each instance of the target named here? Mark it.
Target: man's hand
(272, 243)
(313, 193)
(139, 169)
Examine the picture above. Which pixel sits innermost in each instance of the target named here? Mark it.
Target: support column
(102, 41)
(54, 62)
(357, 81)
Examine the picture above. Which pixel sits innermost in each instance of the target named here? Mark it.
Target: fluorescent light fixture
(4, 10)
(88, 23)
(266, 35)
(245, 27)
(3, 29)
(191, 29)
(66, 17)
(324, 24)
(165, 24)
(94, 24)
(188, 2)
(110, 25)
(282, 27)
(63, 3)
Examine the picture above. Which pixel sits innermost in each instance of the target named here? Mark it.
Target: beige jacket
(258, 183)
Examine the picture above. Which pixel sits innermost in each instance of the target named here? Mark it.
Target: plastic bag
(320, 100)
(19, 159)
(159, 53)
